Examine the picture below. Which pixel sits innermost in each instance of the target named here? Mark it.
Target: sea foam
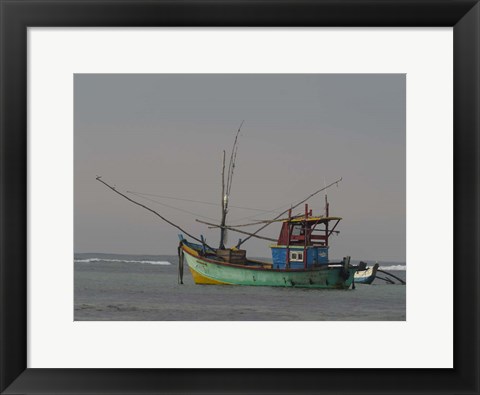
(393, 267)
(92, 260)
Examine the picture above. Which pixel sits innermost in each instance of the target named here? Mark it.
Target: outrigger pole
(385, 279)
(390, 274)
(99, 178)
(240, 242)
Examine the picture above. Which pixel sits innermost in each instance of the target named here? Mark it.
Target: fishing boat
(299, 259)
(300, 254)
(366, 276)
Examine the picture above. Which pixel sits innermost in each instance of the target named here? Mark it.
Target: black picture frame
(18, 15)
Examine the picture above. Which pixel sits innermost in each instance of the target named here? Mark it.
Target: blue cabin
(303, 241)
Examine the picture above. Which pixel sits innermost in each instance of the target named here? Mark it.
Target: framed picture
(373, 88)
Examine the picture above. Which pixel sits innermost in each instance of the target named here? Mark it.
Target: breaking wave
(393, 268)
(91, 260)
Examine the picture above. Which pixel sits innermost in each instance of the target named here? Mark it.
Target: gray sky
(164, 135)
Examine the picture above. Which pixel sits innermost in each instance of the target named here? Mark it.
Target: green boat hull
(207, 271)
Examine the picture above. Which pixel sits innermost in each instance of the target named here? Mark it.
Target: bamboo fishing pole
(235, 230)
(227, 188)
(224, 209)
(284, 212)
(99, 178)
(233, 157)
(263, 221)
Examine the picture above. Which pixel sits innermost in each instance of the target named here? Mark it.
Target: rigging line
(274, 210)
(175, 208)
(264, 221)
(240, 242)
(98, 178)
(236, 230)
(266, 212)
(196, 201)
(173, 198)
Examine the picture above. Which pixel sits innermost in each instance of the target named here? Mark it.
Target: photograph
(246, 175)
(240, 197)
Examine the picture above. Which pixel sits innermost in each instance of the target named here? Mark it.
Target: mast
(224, 208)
(227, 188)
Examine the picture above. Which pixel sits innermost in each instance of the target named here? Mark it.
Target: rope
(141, 194)
(172, 207)
(180, 264)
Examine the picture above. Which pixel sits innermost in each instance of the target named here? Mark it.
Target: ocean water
(145, 288)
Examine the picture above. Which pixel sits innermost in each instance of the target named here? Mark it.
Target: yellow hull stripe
(189, 250)
(201, 279)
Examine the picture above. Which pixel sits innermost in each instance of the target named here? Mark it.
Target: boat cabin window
(296, 256)
(297, 230)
